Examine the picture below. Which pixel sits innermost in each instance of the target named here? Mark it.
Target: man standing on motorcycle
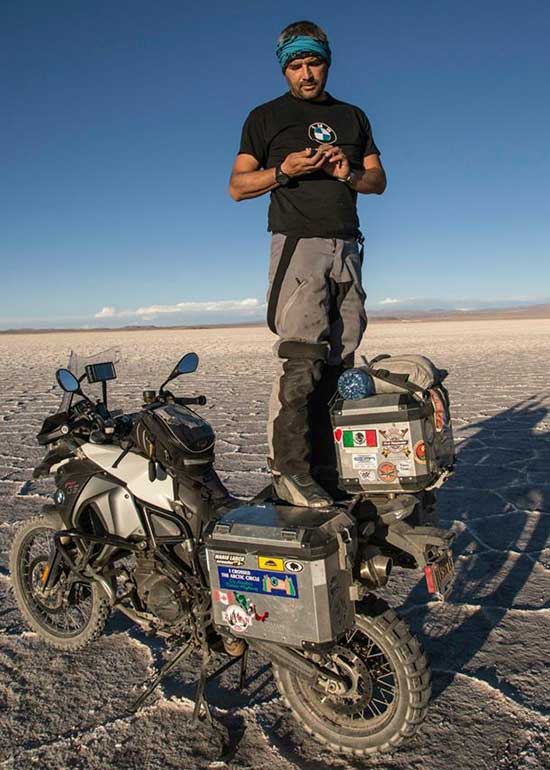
(313, 153)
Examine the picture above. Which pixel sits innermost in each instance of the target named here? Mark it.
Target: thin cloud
(248, 306)
(390, 301)
(106, 312)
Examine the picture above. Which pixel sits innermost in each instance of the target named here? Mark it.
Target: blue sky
(120, 122)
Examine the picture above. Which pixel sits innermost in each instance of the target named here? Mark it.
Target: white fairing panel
(134, 471)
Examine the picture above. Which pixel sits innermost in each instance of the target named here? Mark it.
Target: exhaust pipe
(375, 569)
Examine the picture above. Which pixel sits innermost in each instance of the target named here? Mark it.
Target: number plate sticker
(440, 575)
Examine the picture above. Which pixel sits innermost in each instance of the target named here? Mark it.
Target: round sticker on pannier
(387, 472)
(420, 451)
(236, 617)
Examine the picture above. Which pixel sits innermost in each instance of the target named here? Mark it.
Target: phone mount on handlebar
(83, 365)
(101, 372)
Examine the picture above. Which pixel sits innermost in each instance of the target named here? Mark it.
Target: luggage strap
(361, 242)
(399, 380)
(289, 247)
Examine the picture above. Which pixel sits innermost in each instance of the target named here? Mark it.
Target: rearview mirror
(187, 364)
(67, 381)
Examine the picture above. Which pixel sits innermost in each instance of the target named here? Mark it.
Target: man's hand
(336, 163)
(304, 162)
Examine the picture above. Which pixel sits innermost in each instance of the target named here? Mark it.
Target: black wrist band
(280, 176)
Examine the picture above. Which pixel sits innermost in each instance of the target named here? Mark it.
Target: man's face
(307, 77)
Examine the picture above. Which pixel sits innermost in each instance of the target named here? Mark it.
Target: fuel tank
(133, 470)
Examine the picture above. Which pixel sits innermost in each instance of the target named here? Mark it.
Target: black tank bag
(174, 436)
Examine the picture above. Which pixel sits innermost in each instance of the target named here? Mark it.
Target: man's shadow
(502, 480)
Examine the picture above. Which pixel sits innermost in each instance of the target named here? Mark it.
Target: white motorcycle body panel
(134, 471)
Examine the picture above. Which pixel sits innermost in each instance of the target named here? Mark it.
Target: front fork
(52, 571)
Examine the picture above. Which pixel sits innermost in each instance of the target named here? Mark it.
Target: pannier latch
(289, 534)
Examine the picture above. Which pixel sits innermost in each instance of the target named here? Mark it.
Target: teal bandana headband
(302, 45)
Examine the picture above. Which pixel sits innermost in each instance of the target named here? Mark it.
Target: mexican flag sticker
(353, 438)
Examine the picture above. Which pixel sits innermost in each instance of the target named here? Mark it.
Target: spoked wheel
(70, 614)
(384, 693)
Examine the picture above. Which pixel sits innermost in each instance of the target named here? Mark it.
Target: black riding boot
(302, 368)
(324, 465)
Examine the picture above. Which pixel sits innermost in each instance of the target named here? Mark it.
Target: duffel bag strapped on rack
(406, 373)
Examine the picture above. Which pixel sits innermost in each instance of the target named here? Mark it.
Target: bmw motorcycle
(141, 523)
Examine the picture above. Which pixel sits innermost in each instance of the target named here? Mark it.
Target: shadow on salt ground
(499, 501)
(222, 693)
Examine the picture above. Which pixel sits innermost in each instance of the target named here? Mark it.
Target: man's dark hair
(303, 28)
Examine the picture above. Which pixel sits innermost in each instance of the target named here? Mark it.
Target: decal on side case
(258, 582)
(271, 563)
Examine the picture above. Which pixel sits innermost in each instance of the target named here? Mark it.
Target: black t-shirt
(313, 205)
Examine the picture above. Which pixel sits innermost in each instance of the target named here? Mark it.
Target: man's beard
(302, 91)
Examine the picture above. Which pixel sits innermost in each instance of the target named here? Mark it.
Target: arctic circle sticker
(387, 472)
(293, 566)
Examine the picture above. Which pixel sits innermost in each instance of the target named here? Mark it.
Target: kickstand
(201, 702)
(168, 666)
(200, 699)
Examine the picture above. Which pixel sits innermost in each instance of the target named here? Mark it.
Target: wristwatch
(280, 176)
(346, 179)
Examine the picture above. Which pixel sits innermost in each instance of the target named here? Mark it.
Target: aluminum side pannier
(399, 438)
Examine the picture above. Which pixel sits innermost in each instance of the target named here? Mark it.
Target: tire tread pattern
(415, 666)
(100, 609)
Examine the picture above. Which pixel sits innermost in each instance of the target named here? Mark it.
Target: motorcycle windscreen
(77, 365)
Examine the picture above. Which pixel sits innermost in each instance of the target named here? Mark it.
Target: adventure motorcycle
(141, 523)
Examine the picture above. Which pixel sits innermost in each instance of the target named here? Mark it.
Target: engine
(160, 594)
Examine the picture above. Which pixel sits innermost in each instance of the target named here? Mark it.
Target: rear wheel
(386, 692)
(72, 613)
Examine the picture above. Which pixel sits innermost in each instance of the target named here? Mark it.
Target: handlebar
(199, 400)
(90, 418)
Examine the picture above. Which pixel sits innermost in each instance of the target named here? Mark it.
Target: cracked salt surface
(488, 645)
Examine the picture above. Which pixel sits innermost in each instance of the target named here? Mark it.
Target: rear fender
(424, 544)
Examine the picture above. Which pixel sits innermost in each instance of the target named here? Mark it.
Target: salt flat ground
(489, 645)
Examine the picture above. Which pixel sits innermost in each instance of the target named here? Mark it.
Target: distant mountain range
(417, 310)
(413, 310)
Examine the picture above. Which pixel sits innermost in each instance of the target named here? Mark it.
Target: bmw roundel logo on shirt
(322, 133)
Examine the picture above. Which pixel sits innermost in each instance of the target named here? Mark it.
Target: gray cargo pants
(319, 315)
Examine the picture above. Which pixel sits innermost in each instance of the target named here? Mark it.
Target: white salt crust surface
(489, 645)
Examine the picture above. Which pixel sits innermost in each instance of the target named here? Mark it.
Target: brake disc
(354, 697)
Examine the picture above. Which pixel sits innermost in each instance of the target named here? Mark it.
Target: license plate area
(440, 575)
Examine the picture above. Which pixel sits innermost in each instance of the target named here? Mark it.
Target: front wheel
(72, 613)
(387, 690)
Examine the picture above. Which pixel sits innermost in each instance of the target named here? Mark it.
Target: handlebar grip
(200, 400)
